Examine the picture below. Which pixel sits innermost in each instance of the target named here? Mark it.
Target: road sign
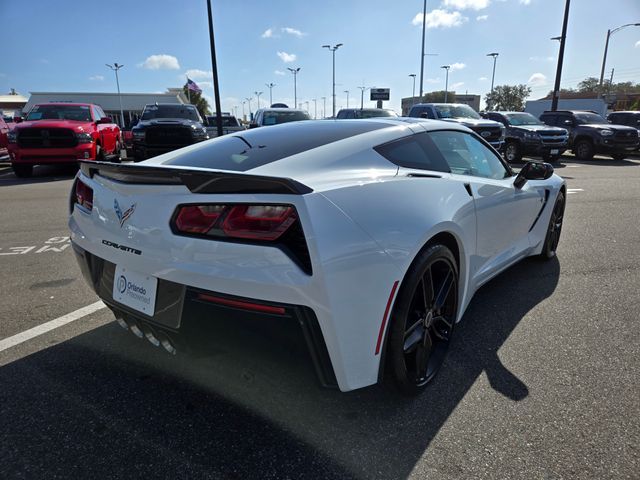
(379, 94)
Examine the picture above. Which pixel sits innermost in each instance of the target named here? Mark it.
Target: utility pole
(563, 38)
(606, 47)
(214, 65)
(270, 85)
(347, 92)
(333, 52)
(295, 87)
(115, 67)
(493, 75)
(257, 94)
(413, 92)
(424, 20)
(446, 82)
(610, 83)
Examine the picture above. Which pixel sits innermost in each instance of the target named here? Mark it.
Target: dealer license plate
(134, 289)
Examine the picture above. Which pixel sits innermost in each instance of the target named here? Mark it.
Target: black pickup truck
(526, 135)
(164, 127)
(590, 134)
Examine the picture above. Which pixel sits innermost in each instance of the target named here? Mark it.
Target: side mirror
(533, 171)
(17, 119)
(105, 120)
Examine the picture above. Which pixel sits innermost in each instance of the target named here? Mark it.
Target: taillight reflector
(198, 218)
(229, 302)
(84, 195)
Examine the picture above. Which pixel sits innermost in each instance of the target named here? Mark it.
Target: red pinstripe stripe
(386, 315)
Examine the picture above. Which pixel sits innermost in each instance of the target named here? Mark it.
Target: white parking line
(574, 190)
(48, 326)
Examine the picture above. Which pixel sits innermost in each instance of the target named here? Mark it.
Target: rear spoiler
(197, 181)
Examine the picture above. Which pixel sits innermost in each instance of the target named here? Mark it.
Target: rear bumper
(48, 156)
(187, 317)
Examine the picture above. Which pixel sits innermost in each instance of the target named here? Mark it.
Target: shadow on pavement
(41, 174)
(109, 405)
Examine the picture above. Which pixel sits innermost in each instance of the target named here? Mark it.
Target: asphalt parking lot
(541, 380)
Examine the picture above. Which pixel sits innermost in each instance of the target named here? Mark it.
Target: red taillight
(253, 222)
(84, 195)
(259, 222)
(198, 218)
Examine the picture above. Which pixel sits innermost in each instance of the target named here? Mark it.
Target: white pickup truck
(230, 124)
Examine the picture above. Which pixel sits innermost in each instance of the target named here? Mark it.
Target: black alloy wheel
(583, 149)
(555, 228)
(512, 152)
(423, 319)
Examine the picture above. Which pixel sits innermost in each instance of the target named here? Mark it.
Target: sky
(63, 45)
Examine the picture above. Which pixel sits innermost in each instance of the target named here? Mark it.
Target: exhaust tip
(122, 323)
(152, 339)
(166, 344)
(136, 331)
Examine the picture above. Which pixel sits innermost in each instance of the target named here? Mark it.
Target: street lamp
(257, 94)
(606, 47)
(446, 82)
(347, 92)
(307, 103)
(493, 75)
(249, 102)
(413, 92)
(270, 85)
(324, 107)
(115, 67)
(362, 90)
(295, 88)
(243, 102)
(315, 108)
(333, 52)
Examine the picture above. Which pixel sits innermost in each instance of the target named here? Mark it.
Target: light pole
(295, 87)
(324, 107)
(446, 82)
(493, 75)
(315, 109)
(249, 102)
(243, 102)
(413, 92)
(563, 38)
(257, 94)
(362, 89)
(606, 47)
(115, 67)
(424, 19)
(347, 92)
(270, 85)
(307, 103)
(333, 52)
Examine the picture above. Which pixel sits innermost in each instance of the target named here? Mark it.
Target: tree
(507, 97)
(590, 84)
(198, 100)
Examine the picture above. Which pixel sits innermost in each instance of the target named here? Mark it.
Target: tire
(116, 153)
(554, 229)
(99, 153)
(583, 150)
(619, 156)
(421, 324)
(22, 171)
(513, 152)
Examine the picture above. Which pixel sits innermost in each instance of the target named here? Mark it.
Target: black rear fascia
(195, 181)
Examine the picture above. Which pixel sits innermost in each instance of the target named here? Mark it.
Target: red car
(4, 141)
(62, 133)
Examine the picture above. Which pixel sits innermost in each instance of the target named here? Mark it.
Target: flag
(193, 86)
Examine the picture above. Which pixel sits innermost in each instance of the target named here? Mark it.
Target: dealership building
(132, 103)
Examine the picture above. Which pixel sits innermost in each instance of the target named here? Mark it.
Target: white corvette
(370, 235)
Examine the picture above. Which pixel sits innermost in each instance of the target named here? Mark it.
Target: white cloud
(483, 79)
(279, 72)
(457, 66)
(287, 57)
(197, 74)
(440, 18)
(638, 44)
(463, 4)
(456, 85)
(160, 62)
(268, 33)
(537, 80)
(481, 18)
(293, 31)
(431, 80)
(525, 2)
(542, 59)
(97, 77)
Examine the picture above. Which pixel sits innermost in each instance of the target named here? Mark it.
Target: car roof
(634, 112)
(81, 104)
(570, 111)
(280, 109)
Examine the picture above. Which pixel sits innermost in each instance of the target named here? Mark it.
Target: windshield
(456, 111)
(584, 118)
(517, 119)
(170, 111)
(274, 117)
(77, 113)
(226, 121)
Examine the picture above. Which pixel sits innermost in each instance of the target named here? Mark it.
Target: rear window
(274, 117)
(261, 146)
(415, 151)
(226, 121)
